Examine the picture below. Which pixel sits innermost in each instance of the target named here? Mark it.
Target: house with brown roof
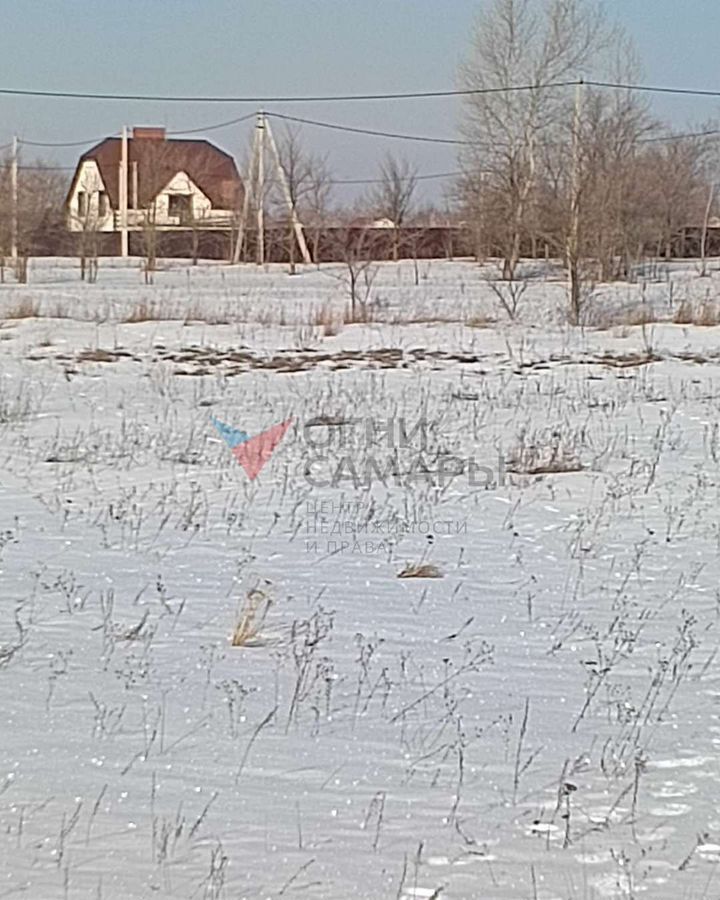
(173, 183)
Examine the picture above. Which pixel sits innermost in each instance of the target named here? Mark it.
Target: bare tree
(315, 208)
(392, 198)
(195, 220)
(39, 213)
(521, 43)
(509, 295)
(297, 174)
(5, 215)
(152, 168)
(677, 178)
(88, 218)
(605, 227)
(705, 227)
(307, 182)
(700, 201)
(150, 241)
(355, 248)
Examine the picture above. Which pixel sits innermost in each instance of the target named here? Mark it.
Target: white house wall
(181, 184)
(202, 208)
(89, 181)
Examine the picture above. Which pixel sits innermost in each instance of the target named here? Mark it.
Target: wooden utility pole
(255, 192)
(260, 194)
(123, 193)
(248, 196)
(14, 200)
(297, 227)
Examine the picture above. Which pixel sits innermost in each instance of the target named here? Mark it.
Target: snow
(540, 721)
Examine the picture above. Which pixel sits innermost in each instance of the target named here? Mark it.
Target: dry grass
(425, 319)
(31, 309)
(27, 308)
(196, 313)
(551, 453)
(363, 314)
(269, 316)
(560, 466)
(97, 355)
(152, 311)
(252, 615)
(684, 314)
(642, 316)
(706, 315)
(328, 320)
(604, 320)
(628, 360)
(62, 311)
(144, 311)
(481, 320)
(420, 570)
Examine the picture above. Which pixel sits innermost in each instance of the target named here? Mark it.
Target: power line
(321, 98)
(422, 138)
(421, 177)
(371, 131)
(669, 138)
(651, 89)
(41, 168)
(381, 133)
(215, 126)
(312, 122)
(429, 177)
(63, 143)
(348, 98)
(95, 140)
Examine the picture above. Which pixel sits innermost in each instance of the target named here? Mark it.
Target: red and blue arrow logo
(252, 451)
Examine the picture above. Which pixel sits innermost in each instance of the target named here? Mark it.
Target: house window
(82, 199)
(102, 204)
(180, 206)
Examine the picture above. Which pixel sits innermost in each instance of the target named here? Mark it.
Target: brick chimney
(144, 133)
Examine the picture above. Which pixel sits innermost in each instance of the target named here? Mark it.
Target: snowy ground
(540, 721)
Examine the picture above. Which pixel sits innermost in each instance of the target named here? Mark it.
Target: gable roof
(158, 161)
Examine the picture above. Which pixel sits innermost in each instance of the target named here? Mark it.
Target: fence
(334, 244)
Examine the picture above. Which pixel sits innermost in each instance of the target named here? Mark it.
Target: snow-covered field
(540, 720)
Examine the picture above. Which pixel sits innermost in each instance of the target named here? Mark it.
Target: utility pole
(705, 227)
(14, 200)
(248, 195)
(260, 195)
(123, 193)
(573, 241)
(135, 184)
(255, 193)
(297, 227)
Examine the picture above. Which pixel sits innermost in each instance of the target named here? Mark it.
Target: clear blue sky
(294, 47)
